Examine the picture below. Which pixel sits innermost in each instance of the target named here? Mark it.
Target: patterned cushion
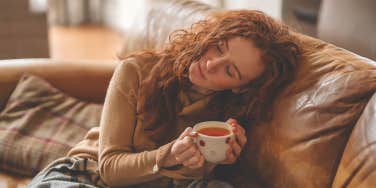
(40, 124)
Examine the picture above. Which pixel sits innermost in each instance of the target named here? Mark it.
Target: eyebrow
(232, 63)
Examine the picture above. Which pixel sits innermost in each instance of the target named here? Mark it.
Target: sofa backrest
(313, 118)
(86, 80)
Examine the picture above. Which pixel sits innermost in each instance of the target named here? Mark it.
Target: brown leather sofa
(323, 131)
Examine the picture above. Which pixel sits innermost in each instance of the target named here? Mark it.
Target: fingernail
(193, 134)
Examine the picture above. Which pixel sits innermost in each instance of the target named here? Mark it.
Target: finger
(193, 134)
(198, 164)
(236, 149)
(182, 145)
(242, 139)
(187, 154)
(234, 122)
(234, 129)
(238, 127)
(185, 133)
(193, 160)
(239, 136)
(230, 157)
(241, 129)
(231, 120)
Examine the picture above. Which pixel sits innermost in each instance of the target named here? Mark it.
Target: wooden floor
(84, 42)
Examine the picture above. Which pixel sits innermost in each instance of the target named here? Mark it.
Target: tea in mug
(214, 131)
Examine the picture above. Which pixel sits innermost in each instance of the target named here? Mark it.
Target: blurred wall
(271, 7)
(23, 33)
(121, 14)
(349, 24)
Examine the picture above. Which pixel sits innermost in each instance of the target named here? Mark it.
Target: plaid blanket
(40, 124)
(69, 172)
(83, 173)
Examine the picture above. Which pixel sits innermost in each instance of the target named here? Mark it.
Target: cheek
(192, 68)
(191, 74)
(222, 83)
(194, 75)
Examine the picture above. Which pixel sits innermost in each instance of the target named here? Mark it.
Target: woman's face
(228, 65)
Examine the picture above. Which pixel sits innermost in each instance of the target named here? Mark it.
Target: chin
(193, 81)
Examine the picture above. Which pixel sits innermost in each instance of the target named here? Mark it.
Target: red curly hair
(169, 73)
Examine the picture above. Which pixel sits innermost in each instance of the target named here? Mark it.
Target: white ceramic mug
(213, 148)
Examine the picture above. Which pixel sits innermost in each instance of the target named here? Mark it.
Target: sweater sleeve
(119, 164)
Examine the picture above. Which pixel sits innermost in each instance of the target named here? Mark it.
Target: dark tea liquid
(214, 131)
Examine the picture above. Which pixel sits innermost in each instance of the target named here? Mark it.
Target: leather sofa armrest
(86, 80)
(357, 167)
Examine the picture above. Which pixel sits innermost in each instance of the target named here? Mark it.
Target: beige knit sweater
(125, 155)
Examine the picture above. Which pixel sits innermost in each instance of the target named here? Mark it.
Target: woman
(228, 68)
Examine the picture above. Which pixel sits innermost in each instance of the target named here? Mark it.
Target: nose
(213, 64)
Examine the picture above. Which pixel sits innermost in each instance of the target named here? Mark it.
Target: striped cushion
(40, 124)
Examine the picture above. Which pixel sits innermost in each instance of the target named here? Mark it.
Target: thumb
(186, 132)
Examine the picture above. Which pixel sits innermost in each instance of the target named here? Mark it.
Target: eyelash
(219, 49)
(228, 72)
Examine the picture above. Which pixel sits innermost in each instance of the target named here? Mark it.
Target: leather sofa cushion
(313, 118)
(357, 167)
(40, 124)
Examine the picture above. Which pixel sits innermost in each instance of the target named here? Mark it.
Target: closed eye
(218, 48)
(228, 71)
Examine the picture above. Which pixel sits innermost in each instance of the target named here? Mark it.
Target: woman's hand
(184, 150)
(237, 144)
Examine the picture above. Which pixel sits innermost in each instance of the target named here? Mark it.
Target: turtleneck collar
(193, 99)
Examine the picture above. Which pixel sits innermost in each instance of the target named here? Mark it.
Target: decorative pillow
(40, 124)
